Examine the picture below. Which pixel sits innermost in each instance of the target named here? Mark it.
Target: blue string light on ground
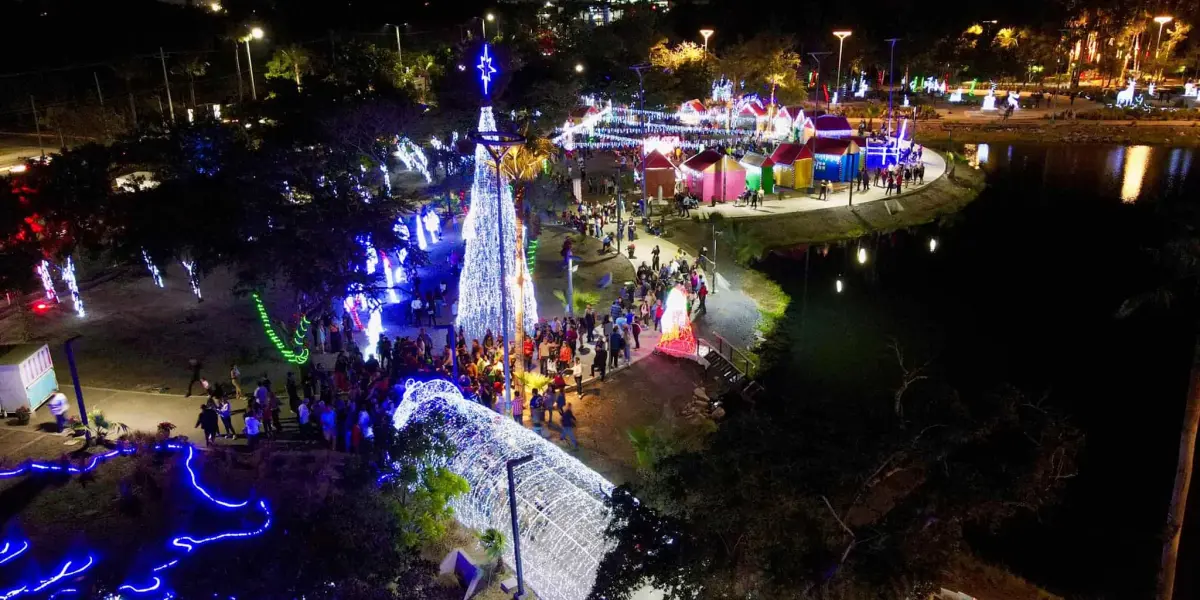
(149, 585)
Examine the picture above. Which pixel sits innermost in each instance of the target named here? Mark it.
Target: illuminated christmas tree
(677, 337)
(479, 306)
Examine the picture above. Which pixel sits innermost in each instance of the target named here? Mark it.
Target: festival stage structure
(560, 501)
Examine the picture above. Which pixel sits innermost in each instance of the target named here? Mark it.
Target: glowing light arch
(560, 501)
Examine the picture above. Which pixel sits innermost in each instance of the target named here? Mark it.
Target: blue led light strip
(149, 583)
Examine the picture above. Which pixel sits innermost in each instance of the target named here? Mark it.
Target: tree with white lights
(480, 302)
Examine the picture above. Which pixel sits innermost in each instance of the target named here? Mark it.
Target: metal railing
(741, 360)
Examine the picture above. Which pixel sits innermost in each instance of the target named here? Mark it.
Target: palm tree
(1182, 260)
(290, 62)
(192, 66)
(873, 110)
(492, 542)
(525, 162)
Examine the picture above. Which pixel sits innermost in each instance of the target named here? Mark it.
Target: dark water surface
(1023, 288)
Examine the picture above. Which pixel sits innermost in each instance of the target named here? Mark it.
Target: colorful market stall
(760, 172)
(834, 159)
(692, 111)
(711, 174)
(793, 166)
(788, 122)
(832, 126)
(27, 377)
(660, 175)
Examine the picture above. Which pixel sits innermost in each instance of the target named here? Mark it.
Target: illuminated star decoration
(486, 70)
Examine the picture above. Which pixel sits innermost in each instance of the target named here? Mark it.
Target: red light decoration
(677, 338)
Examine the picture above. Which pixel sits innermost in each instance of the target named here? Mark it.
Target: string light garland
(296, 358)
(43, 271)
(560, 501)
(677, 337)
(193, 278)
(68, 275)
(155, 274)
(178, 547)
(479, 303)
(413, 157)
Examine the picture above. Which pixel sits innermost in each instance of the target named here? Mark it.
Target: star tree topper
(486, 70)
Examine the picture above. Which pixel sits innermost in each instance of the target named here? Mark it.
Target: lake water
(1023, 288)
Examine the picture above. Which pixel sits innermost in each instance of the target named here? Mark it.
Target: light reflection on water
(1134, 174)
(1125, 173)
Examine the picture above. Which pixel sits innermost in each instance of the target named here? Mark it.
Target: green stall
(760, 173)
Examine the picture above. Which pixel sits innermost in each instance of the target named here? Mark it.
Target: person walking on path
(58, 408)
(253, 429)
(568, 426)
(654, 257)
(702, 294)
(207, 421)
(195, 366)
(225, 411)
(601, 361)
(235, 377)
(293, 393)
(518, 407)
(614, 345)
(589, 323)
(577, 373)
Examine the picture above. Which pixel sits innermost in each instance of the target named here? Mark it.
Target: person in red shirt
(527, 350)
(702, 294)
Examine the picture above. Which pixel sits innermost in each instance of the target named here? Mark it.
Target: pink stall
(711, 174)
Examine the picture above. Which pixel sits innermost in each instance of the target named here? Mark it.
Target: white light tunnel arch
(560, 501)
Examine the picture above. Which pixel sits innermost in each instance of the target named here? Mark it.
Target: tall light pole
(891, 84)
(484, 21)
(166, 82)
(255, 34)
(706, 33)
(841, 36)
(512, 510)
(399, 48)
(1163, 20)
(817, 57)
(642, 124)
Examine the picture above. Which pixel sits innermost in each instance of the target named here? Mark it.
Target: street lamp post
(516, 528)
(255, 34)
(1163, 20)
(642, 125)
(399, 48)
(570, 283)
(483, 23)
(891, 83)
(83, 418)
(237, 61)
(706, 33)
(817, 57)
(841, 36)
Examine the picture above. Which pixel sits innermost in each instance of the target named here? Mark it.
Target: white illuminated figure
(956, 97)
(1150, 90)
(1125, 96)
(1189, 90)
(421, 241)
(835, 99)
(560, 501)
(433, 225)
(862, 87)
(1014, 100)
(905, 104)
(989, 101)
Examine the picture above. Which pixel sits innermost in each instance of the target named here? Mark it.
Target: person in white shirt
(253, 429)
(416, 310)
(58, 408)
(577, 373)
(304, 415)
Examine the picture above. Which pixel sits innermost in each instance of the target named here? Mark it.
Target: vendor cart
(27, 377)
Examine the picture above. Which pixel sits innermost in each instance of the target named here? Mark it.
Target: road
(14, 149)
